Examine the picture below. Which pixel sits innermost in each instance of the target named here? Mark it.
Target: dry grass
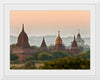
(39, 64)
(16, 65)
(20, 65)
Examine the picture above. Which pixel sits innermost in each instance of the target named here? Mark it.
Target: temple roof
(58, 40)
(74, 43)
(58, 43)
(79, 39)
(43, 45)
(23, 39)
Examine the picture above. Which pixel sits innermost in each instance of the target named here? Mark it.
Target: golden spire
(58, 33)
(58, 40)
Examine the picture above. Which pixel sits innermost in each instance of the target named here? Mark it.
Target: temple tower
(58, 43)
(79, 40)
(22, 48)
(23, 39)
(44, 46)
(74, 47)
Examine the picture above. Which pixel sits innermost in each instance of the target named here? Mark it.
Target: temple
(58, 44)
(43, 46)
(22, 48)
(74, 47)
(79, 40)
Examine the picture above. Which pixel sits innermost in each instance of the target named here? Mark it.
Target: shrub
(29, 65)
(12, 46)
(68, 63)
(84, 55)
(45, 56)
(59, 54)
(30, 58)
(13, 57)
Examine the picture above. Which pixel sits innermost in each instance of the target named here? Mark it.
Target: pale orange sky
(41, 23)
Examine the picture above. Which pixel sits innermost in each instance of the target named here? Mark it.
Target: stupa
(22, 48)
(58, 44)
(43, 46)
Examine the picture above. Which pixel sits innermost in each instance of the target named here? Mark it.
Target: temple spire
(58, 33)
(43, 38)
(58, 43)
(78, 31)
(22, 27)
(74, 37)
(43, 46)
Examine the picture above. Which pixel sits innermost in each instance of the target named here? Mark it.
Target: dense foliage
(54, 60)
(45, 56)
(30, 58)
(68, 63)
(59, 54)
(84, 55)
(12, 46)
(13, 56)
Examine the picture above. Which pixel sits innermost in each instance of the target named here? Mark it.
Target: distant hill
(50, 39)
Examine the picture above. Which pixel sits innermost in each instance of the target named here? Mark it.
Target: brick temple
(22, 48)
(43, 46)
(74, 48)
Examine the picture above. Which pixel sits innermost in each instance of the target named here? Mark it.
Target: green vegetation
(12, 46)
(14, 61)
(30, 58)
(53, 60)
(45, 56)
(59, 54)
(29, 65)
(13, 57)
(81, 49)
(84, 55)
(68, 63)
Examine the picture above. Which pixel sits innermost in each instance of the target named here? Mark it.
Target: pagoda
(58, 44)
(74, 47)
(22, 48)
(79, 40)
(43, 46)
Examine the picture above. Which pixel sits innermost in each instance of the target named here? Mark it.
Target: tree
(67, 63)
(36, 54)
(59, 54)
(45, 56)
(84, 55)
(30, 65)
(13, 56)
(30, 58)
(12, 46)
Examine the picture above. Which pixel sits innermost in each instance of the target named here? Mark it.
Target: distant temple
(22, 49)
(79, 40)
(58, 44)
(81, 43)
(43, 46)
(74, 48)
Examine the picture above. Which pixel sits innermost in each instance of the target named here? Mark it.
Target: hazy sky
(48, 22)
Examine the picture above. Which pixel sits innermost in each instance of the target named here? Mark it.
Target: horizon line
(51, 35)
